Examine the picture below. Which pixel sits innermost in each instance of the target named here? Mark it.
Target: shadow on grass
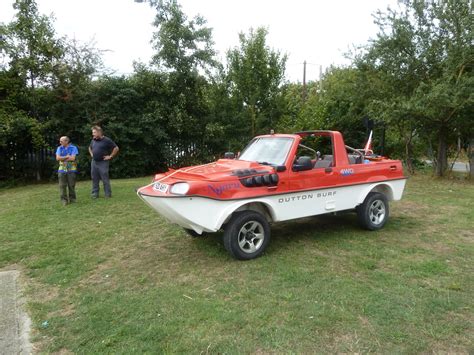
(324, 229)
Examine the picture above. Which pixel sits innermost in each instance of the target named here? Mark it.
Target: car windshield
(267, 150)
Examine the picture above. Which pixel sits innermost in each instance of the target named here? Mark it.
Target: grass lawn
(113, 276)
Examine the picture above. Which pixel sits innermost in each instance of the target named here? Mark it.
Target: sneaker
(64, 203)
(94, 197)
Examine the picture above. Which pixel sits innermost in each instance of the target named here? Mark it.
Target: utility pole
(304, 81)
(320, 78)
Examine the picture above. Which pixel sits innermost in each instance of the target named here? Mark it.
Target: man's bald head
(64, 140)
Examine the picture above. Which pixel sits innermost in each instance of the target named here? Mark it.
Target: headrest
(304, 161)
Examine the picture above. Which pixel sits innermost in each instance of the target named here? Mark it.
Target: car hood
(221, 170)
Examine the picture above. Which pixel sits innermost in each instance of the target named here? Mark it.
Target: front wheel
(247, 235)
(373, 212)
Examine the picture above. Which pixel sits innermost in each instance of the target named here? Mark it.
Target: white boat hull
(203, 214)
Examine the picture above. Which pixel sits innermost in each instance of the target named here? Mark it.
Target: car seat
(304, 162)
(323, 164)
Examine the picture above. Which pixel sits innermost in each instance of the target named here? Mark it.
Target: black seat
(303, 163)
(354, 159)
(323, 164)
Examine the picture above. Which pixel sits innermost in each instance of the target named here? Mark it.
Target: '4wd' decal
(347, 172)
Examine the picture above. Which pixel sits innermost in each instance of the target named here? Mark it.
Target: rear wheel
(374, 211)
(247, 235)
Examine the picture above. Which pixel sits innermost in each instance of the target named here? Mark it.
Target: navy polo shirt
(101, 147)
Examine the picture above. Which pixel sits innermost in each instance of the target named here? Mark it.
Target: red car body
(208, 197)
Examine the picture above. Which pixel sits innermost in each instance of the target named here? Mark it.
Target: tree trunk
(409, 157)
(253, 118)
(38, 168)
(442, 156)
(409, 153)
(471, 158)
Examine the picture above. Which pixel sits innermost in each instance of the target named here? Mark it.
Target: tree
(302, 113)
(182, 45)
(185, 54)
(29, 51)
(339, 101)
(223, 131)
(30, 45)
(424, 55)
(71, 88)
(346, 97)
(18, 134)
(256, 73)
(43, 84)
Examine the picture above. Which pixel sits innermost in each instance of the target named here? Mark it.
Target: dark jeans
(100, 171)
(67, 182)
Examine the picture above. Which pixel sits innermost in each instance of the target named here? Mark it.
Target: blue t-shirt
(67, 166)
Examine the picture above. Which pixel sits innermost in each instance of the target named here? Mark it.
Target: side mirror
(229, 155)
(303, 163)
(280, 168)
(297, 167)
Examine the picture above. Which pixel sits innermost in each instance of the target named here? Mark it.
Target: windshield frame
(252, 142)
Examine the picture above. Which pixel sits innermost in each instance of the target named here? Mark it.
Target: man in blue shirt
(102, 150)
(66, 156)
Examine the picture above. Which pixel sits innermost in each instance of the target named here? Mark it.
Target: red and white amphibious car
(277, 177)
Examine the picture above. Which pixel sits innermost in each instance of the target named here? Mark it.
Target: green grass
(111, 276)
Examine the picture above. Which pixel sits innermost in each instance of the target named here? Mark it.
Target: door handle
(393, 167)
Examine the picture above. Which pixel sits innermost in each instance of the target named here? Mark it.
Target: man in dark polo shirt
(102, 149)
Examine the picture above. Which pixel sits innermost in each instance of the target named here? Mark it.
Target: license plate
(158, 186)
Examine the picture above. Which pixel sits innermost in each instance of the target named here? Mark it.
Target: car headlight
(181, 188)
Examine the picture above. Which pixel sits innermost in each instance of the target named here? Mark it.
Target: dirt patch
(467, 236)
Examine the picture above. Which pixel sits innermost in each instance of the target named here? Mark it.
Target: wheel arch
(383, 188)
(258, 206)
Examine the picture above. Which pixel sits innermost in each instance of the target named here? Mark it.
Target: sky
(316, 31)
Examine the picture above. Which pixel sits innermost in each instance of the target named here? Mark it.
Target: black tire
(247, 235)
(192, 233)
(373, 212)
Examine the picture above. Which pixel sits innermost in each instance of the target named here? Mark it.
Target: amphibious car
(277, 177)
